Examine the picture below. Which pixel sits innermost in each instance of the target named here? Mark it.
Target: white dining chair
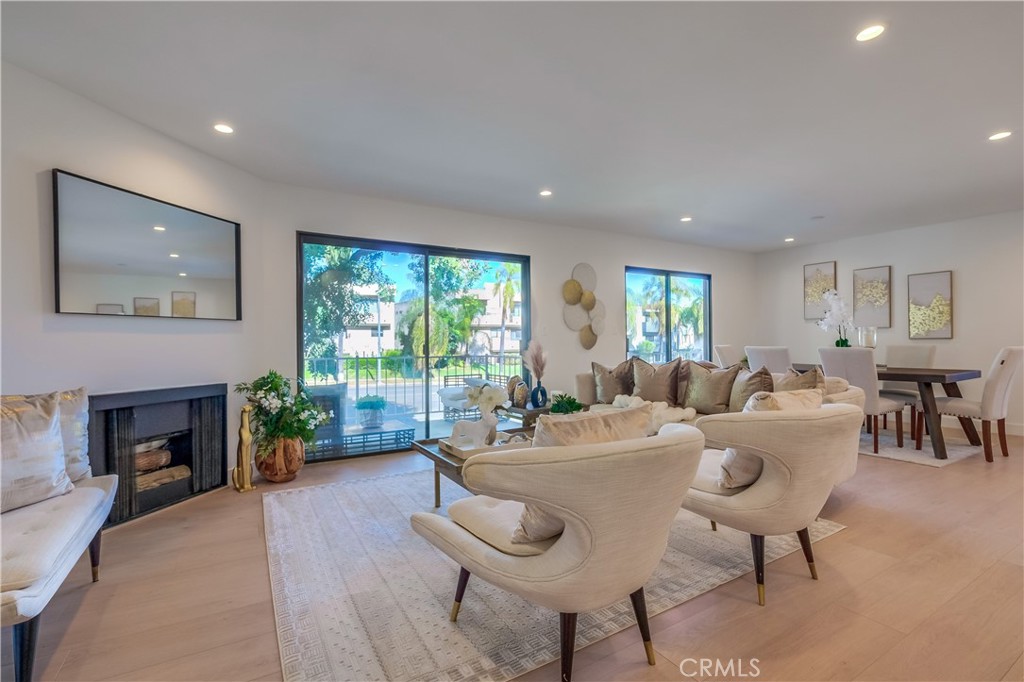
(923, 356)
(728, 355)
(857, 365)
(775, 358)
(994, 403)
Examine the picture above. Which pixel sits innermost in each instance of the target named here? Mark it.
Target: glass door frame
(427, 251)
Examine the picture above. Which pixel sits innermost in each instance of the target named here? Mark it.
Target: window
(668, 314)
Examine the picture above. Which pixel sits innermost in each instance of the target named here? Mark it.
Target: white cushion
(495, 521)
(710, 471)
(43, 541)
(33, 466)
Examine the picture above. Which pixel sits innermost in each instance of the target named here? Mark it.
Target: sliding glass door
(407, 326)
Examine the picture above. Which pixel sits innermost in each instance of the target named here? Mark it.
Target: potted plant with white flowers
(282, 424)
(837, 317)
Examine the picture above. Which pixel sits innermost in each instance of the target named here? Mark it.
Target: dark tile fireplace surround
(192, 419)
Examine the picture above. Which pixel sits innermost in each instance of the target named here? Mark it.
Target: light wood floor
(926, 583)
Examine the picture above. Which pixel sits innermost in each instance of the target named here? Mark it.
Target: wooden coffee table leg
(437, 487)
(966, 423)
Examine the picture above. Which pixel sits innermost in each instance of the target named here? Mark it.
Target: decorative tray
(446, 445)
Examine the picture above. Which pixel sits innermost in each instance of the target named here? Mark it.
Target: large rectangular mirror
(122, 253)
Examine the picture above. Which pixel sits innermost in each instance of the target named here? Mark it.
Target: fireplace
(165, 445)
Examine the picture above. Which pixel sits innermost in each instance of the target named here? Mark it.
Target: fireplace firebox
(164, 444)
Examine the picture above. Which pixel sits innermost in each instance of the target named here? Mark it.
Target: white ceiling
(752, 117)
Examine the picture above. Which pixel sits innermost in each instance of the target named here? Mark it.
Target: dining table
(926, 378)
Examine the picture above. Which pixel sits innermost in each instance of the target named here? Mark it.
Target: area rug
(956, 450)
(359, 596)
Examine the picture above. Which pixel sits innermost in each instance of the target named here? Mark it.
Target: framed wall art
(183, 304)
(149, 307)
(872, 297)
(110, 309)
(818, 278)
(930, 305)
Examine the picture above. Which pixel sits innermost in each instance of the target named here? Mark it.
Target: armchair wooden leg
(757, 549)
(805, 544)
(460, 590)
(867, 421)
(885, 421)
(94, 554)
(640, 611)
(874, 431)
(24, 635)
(714, 526)
(899, 429)
(986, 439)
(1001, 425)
(567, 628)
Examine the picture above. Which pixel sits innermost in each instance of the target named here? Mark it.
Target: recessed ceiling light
(174, 255)
(159, 228)
(224, 128)
(870, 33)
(789, 239)
(817, 217)
(182, 274)
(685, 219)
(1000, 136)
(545, 192)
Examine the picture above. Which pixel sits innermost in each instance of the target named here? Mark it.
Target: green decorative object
(371, 411)
(563, 403)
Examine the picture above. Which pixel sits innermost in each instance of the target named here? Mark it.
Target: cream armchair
(804, 452)
(617, 500)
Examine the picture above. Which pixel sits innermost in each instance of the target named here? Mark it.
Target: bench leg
(25, 649)
(94, 555)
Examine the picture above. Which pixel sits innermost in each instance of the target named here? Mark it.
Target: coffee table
(446, 464)
(528, 415)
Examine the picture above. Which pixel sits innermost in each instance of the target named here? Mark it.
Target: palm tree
(506, 286)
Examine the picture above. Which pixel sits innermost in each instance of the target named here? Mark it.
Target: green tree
(330, 302)
(506, 286)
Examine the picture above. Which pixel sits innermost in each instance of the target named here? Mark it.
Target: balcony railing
(408, 383)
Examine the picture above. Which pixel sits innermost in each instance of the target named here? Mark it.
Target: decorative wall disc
(588, 338)
(576, 318)
(597, 325)
(587, 300)
(598, 312)
(572, 290)
(585, 275)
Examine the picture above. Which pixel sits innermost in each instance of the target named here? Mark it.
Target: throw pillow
(747, 384)
(74, 429)
(583, 428)
(613, 382)
(708, 390)
(656, 383)
(684, 381)
(805, 399)
(32, 451)
(835, 385)
(741, 467)
(795, 381)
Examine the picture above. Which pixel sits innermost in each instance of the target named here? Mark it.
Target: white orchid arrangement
(837, 316)
(488, 398)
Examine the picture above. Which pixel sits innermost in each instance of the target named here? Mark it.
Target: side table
(528, 415)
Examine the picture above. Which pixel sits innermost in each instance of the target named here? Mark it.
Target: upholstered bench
(53, 509)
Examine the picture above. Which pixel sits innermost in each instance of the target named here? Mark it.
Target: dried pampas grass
(535, 359)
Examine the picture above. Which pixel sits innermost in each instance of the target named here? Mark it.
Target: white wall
(45, 126)
(986, 256)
